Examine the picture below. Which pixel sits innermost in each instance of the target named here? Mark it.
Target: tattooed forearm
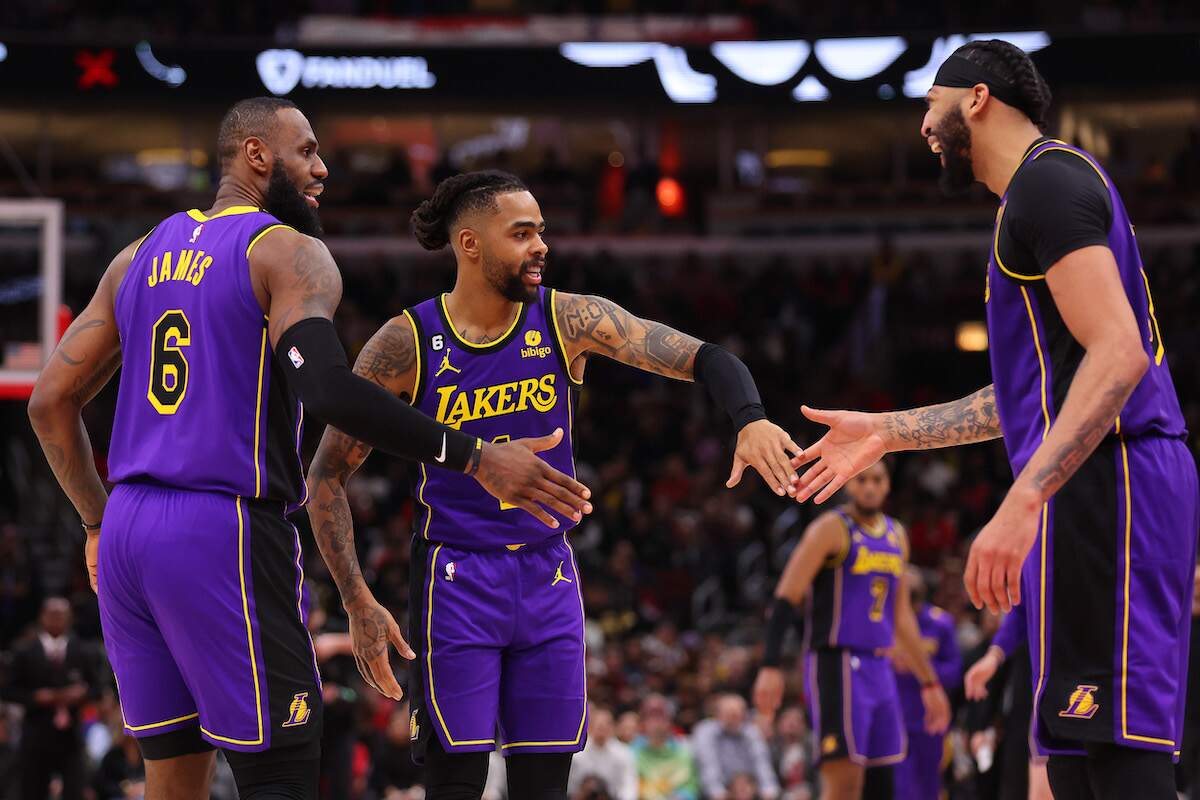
(85, 387)
(69, 453)
(1101, 387)
(302, 280)
(972, 419)
(595, 325)
(329, 511)
(1083, 441)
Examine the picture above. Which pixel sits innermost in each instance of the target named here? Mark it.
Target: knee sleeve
(291, 773)
(539, 776)
(454, 776)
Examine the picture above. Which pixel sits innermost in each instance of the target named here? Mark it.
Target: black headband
(958, 72)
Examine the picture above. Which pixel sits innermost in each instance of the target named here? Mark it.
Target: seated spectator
(664, 761)
(730, 744)
(393, 773)
(789, 754)
(743, 787)
(122, 774)
(606, 759)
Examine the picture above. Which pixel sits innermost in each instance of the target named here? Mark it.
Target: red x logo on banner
(96, 69)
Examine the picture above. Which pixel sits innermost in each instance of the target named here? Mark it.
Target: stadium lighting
(763, 63)
(917, 82)
(858, 58)
(681, 83)
(971, 337)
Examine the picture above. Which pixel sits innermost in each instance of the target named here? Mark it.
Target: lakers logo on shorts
(1082, 704)
(298, 712)
(829, 744)
(414, 727)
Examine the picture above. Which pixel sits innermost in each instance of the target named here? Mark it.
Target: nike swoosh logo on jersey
(441, 457)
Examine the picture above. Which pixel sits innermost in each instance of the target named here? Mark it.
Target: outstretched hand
(372, 628)
(851, 444)
(768, 449)
(513, 473)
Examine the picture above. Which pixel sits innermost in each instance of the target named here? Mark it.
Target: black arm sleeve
(730, 384)
(315, 364)
(780, 622)
(1058, 203)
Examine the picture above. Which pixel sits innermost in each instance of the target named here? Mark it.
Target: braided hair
(1012, 64)
(471, 191)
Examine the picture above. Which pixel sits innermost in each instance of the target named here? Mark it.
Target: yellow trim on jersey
(1090, 163)
(558, 336)
(473, 345)
(299, 427)
(198, 215)
(300, 602)
(1037, 344)
(417, 348)
(582, 617)
(133, 255)
(262, 358)
(1125, 625)
(1000, 214)
(263, 233)
(429, 656)
(1161, 350)
(249, 636)
(421, 500)
(996, 251)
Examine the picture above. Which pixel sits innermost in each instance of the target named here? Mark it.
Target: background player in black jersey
(1083, 396)
(496, 230)
(270, 166)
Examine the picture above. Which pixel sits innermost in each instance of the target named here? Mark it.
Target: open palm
(851, 444)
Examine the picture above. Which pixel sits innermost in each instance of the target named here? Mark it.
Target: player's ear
(258, 155)
(468, 242)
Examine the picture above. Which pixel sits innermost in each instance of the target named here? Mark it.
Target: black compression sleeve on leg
(315, 364)
(277, 780)
(538, 776)
(1069, 778)
(454, 776)
(779, 623)
(1118, 772)
(730, 383)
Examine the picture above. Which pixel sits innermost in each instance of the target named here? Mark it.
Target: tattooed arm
(856, 440)
(81, 365)
(595, 325)
(389, 359)
(591, 324)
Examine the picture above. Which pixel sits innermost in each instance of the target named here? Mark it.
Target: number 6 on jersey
(168, 364)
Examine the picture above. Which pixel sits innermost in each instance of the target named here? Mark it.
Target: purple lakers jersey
(516, 387)
(202, 404)
(852, 603)
(1033, 355)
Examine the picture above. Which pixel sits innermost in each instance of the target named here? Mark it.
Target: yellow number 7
(879, 593)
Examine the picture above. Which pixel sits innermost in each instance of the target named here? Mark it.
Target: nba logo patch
(298, 712)
(196, 234)
(450, 570)
(297, 359)
(1082, 704)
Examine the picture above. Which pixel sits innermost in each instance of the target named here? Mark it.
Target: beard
(287, 204)
(509, 283)
(955, 138)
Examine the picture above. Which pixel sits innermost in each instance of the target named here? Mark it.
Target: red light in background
(97, 69)
(670, 197)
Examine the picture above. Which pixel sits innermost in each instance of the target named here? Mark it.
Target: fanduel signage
(282, 70)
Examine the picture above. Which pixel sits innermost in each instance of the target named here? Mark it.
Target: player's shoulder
(937, 614)
(1054, 176)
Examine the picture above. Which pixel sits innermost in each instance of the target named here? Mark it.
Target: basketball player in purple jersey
(496, 611)
(919, 775)
(197, 569)
(1105, 490)
(857, 611)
